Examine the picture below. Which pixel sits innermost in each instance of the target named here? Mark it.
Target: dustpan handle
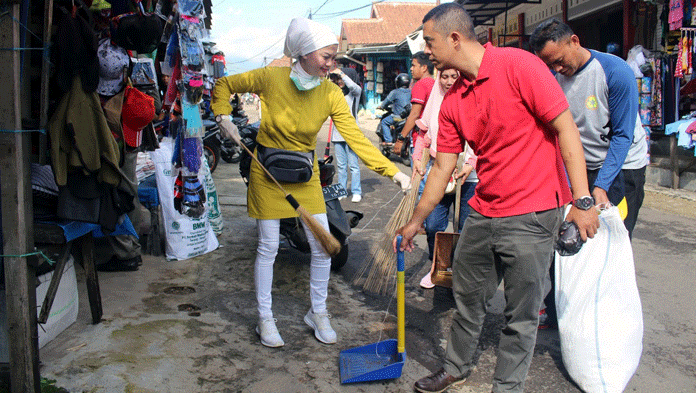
(400, 298)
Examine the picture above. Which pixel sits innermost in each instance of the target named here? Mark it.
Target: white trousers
(320, 268)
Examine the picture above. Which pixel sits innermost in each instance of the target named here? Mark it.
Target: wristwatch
(218, 118)
(401, 138)
(584, 202)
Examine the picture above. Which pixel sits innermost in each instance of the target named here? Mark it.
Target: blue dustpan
(384, 359)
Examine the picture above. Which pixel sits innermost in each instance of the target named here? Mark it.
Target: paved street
(145, 344)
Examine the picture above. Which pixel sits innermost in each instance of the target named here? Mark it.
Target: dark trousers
(616, 190)
(519, 250)
(634, 183)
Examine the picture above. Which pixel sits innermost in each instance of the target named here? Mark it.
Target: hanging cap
(138, 111)
(305, 36)
(112, 61)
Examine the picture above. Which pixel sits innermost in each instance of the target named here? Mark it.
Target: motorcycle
(215, 145)
(340, 221)
(395, 129)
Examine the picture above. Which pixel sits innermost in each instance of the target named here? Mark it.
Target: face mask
(303, 80)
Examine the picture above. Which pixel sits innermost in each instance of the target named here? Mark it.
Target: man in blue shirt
(603, 96)
(399, 100)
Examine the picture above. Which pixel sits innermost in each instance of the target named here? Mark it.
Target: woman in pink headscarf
(427, 138)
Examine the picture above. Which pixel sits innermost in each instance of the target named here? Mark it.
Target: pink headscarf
(428, 121)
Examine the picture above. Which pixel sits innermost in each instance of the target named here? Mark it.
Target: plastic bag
(211, 200)
(600, 319)
(186, 237)
(635, 59)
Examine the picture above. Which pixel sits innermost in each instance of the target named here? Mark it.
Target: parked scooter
(340, 221)
(215, 145)
(395, 130)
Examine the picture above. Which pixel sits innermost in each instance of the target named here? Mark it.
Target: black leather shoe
(437, 382)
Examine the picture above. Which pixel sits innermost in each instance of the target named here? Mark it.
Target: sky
(250, 32)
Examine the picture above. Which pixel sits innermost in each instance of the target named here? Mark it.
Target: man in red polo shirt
(510, 110)
(422, 73)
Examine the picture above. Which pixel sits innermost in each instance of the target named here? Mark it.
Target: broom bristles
(330, 244)
(382, 264)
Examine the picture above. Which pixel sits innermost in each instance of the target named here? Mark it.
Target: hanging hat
(305, 36)
(112, 61)
(138, 111)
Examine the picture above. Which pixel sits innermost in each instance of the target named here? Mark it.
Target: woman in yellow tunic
(295, 102)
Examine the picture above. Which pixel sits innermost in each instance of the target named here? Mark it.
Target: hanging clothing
(676, 14)
(81, 138)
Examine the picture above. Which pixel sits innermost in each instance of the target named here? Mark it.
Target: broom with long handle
(328, 242)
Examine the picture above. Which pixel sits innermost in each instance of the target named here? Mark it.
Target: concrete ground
(188, 326)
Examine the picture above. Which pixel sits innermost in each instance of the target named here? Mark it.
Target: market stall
(79, 105)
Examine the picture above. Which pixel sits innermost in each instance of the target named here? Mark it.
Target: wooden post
(93, 292)
(674, 160)
(17, 217)
(45, 68)
(629, 31)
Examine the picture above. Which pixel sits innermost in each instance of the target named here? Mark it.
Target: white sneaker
(356, 198)
(426, 282)
(269, 333)
(341, 198)
(322, 327)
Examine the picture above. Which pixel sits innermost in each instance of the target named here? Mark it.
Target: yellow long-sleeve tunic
(291, 120)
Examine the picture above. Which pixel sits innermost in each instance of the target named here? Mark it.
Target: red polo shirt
(503, 115)
(420, 92)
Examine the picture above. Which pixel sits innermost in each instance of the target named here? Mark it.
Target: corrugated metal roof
(482, 11)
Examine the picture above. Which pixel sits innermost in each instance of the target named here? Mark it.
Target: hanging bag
(138, 31)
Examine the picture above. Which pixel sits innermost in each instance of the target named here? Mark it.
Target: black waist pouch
(287, 166)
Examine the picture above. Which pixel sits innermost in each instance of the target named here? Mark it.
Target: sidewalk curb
(674, 193)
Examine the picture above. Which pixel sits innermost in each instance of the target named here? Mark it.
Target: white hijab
(305, 36)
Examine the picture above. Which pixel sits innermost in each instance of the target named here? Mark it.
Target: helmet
(402, 80)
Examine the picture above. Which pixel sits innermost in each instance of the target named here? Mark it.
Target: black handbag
(286, 165)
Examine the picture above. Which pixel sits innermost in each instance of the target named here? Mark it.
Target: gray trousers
(517, 249)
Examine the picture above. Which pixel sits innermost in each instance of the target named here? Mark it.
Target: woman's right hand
(229, 129)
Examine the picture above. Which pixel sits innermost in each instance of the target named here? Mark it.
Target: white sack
(600, 319)
(186, 237)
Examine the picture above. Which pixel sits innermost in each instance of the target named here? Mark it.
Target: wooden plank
(93, 292)
(45, 70)
(17, 217)
(55, 281)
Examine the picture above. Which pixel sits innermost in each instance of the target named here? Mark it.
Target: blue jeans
(437, 220)
(386, 124)
(345, 157)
